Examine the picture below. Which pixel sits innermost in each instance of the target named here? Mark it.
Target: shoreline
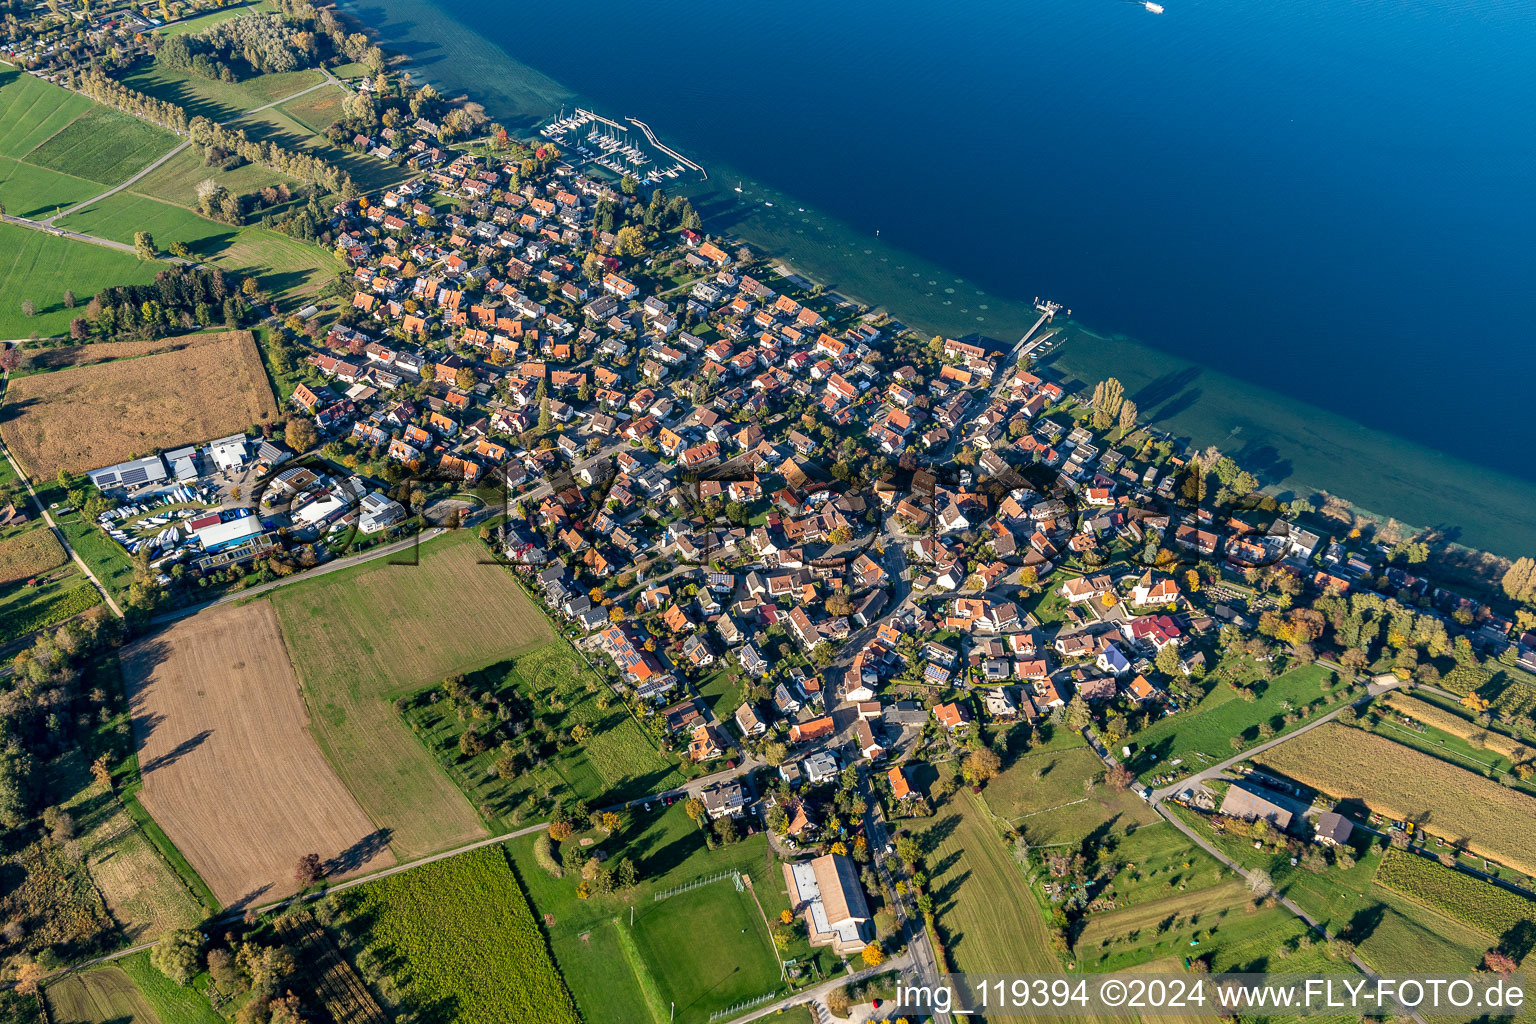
(1239, 416)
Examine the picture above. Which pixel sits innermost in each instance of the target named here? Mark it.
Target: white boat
(738, 186)
(767, 204)
(1155, 8)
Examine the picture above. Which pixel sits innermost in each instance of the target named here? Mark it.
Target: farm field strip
(1400, 782)
(32, 111)
(1487, 908)
(102, 996)
(229, 768)
(28, 554)
(466, 940)
(362, 637)
(105, 146)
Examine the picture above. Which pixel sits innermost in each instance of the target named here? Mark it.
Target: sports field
(229, 768)
(705, 948)
(362, 637)
(37, 267)
(92, 416)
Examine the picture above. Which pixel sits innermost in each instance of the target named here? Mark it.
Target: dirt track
(230, 769)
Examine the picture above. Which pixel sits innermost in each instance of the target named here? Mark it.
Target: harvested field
(1401, 782)
(362, 637)
(27, 554)
(105, 996)
(92, 416)
(1446, 721)
(230, 771)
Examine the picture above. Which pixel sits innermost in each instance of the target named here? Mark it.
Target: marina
(592, 138)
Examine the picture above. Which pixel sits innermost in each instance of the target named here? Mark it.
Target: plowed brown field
(230, 769)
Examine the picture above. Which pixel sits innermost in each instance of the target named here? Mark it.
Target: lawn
(218, 101)
(462, 942)
(623, 974)
(32, 110)
(317, 110)
(1042, 793)
(202, 21)
(614, 764)
(40, 268)
(289, 269)
(723, 696)
(105, 556)
(173, 1003)
(362, 637)
(176, 180)
(1201, 735)
(276, 126)
(34, 192)
(119, 216)
(104, 145)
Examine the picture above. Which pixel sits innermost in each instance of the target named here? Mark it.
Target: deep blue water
(1328, 198)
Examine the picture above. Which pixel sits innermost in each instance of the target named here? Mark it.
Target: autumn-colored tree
(560, 831)
(873, 955)
(308, 870)
(28, 977)
(980, 765)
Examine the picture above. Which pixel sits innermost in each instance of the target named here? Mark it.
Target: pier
(650, 137)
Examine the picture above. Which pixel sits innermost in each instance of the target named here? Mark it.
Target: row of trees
(105, 89)
(206, 135)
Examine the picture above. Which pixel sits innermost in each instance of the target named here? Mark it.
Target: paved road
(308, 574)
(37, 225)
(1314, 924)
(1156, 802)
(1373, 690)
(116, 189)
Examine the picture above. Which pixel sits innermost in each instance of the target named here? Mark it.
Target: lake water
(1314, 218)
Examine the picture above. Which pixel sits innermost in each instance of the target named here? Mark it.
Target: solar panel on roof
(137, 475)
